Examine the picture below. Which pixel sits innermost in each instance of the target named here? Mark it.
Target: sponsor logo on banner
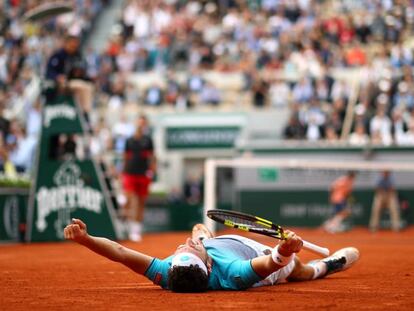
(313, 210)
(59, 111)
(11, 217)
(70, 193)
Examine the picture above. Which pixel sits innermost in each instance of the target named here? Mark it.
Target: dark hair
(71, 37)
(352, 173)
(187, 279)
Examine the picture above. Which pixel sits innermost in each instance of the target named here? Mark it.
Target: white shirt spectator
(303, 91)
(358, 140)
(3, 64)
(359, 137)
(130, 14)
(280, 94)
(122, 130)
(407, 139)
(33, 122)
(279, 23)
(231, 20)
(115, 102)
(270, 4)
(100, 141)
(210, 94)
(340, 90)
(142, 25)
(382, 124)
(23, 154)
(212, 33)
(161, 20)
(269, 44)
(125, 61)
(132, 46)
(313, 131)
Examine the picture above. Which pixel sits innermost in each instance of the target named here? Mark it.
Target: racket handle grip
(321, 251)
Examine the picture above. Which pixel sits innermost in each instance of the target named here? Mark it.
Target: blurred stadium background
(311, 81)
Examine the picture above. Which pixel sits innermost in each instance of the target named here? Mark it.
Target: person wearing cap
(228, 262)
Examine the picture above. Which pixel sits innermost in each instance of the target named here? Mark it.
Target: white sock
(135, 227)
(319, 269)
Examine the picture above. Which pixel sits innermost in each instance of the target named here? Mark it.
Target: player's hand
(292, 244)
(61, 80)
(201, 232)
(76, 231)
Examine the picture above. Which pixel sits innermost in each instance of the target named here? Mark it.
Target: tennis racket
(258, 225)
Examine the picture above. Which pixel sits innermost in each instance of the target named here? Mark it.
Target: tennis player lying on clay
(228, 262)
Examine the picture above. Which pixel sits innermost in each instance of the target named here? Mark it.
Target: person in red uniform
(138, 172)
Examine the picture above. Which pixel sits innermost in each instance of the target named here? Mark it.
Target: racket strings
(256, 224)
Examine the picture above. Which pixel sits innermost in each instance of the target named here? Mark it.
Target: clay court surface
(65, 276)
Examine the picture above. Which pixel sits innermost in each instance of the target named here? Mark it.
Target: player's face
(193, 246)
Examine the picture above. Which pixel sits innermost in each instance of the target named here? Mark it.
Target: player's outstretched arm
(281, 255)
(77, 232)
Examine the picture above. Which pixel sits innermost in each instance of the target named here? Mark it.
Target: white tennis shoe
(135, 237)
(341, 260)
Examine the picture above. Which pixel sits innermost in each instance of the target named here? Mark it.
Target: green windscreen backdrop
(65, 186)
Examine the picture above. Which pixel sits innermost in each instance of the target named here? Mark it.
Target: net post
(210, 168)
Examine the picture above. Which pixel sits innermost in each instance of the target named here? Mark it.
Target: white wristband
(280, 259)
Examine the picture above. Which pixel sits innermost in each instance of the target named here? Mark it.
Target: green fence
(158, 218)
(13, 208)
(310, 208)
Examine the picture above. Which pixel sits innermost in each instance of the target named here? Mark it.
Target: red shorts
(138, 184)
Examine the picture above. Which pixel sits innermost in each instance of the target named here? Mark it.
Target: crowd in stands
(289, 53)
(24, 52)
(330, 62)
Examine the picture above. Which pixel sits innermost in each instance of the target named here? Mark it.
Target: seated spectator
(260, 90)
(154, 96)
(121, 131)
(314, 129)
(359, 137)
(376, 138)
(117, 96)
(67, 68)
(355, 55)
(303, 91)
(399, 126)
(172, 89)
(407, 139)
(101, 140)
(3, 154)
(335, 122)
(210, 94)
(22, 152)
(314, 120)
(403, 98)
(125, 61)
(195, 81)
(294, 129)
(322, 90)
(183, 101)
(4, 123)
(279, 93)
(409, 117)
(34, 119)
(331, 135)
(380, 126)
